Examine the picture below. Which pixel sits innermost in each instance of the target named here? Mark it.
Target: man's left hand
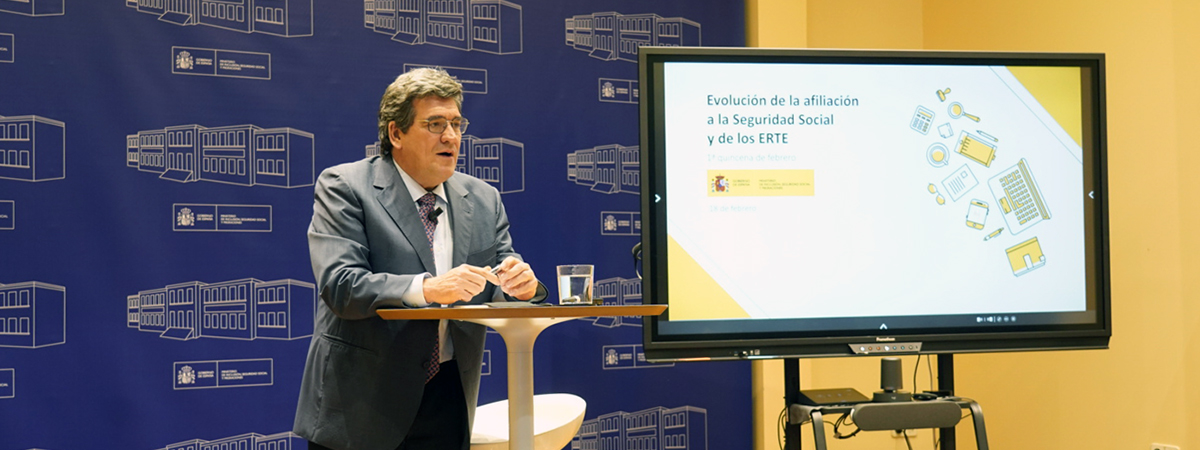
(516, 279)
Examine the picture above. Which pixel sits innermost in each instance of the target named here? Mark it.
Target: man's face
(427, 157)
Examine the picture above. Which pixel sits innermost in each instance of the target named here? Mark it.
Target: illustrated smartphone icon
(977, 213)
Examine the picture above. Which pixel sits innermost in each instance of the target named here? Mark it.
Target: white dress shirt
(443, 252)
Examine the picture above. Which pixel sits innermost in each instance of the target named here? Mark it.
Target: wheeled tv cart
(913, 414)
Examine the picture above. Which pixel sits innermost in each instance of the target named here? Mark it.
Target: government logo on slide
(719, 184)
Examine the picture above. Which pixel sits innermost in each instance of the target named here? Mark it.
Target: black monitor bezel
(659, 346)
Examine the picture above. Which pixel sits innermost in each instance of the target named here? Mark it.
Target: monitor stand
(791, 380)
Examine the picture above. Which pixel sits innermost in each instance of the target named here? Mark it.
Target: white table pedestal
(519, 335)
(520, 327)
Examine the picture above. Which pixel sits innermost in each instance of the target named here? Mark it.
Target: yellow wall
(772, 23)
(1144, 388)
(864, 24)
(1186, 49)
(776, 23)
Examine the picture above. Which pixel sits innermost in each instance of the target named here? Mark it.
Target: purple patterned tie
(425, 210)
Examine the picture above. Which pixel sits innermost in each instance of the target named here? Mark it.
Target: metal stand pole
(791, 392)
(945, 369)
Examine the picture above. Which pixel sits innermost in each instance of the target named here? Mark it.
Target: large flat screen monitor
(804, 203)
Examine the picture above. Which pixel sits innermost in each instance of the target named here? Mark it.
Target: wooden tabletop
(488, 312)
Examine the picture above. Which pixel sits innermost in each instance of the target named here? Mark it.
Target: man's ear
(394, 134)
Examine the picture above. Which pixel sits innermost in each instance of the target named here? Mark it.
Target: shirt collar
(415, 189)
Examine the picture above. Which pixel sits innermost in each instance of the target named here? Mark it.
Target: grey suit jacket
(364, 377)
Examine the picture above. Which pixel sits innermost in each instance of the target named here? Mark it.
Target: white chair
(556, 420)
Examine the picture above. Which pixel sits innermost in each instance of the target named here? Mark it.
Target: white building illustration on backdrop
(33, 8)
(286, 18)
(249, 441)
(682, 428)
(498, 161)
(32, 314)
(620, 292)
(609, 169)
(32, 148)
(246, 155)
(612, 36)
(244, 309)
(489, 26)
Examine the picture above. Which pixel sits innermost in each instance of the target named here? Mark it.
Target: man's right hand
(459, 284)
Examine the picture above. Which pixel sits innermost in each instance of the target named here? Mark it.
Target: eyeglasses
(438, 126)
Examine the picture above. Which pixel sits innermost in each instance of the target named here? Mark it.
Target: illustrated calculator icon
(922, 119)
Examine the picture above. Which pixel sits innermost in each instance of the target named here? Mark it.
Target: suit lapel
(397, 201)
(461, 216)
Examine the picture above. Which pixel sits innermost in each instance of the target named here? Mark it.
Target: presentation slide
(800, 191)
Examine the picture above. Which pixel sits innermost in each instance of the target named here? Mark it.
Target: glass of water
(575, 284)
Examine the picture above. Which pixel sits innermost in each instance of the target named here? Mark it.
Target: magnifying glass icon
(956, 111)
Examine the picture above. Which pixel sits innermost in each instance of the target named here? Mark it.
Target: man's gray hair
(398, 98)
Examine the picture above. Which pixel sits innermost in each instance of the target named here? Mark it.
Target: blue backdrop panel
(157, 159)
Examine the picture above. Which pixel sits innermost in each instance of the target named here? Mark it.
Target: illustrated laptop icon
(1019, 198)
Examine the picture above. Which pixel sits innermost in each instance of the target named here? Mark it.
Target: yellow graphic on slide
(761, 183)
(942, 94)
(1023, 257)
(976, 149)
(956, 110)
(695, 295)
(1060, 91)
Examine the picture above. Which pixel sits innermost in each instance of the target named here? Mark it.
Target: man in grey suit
(404, 230)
